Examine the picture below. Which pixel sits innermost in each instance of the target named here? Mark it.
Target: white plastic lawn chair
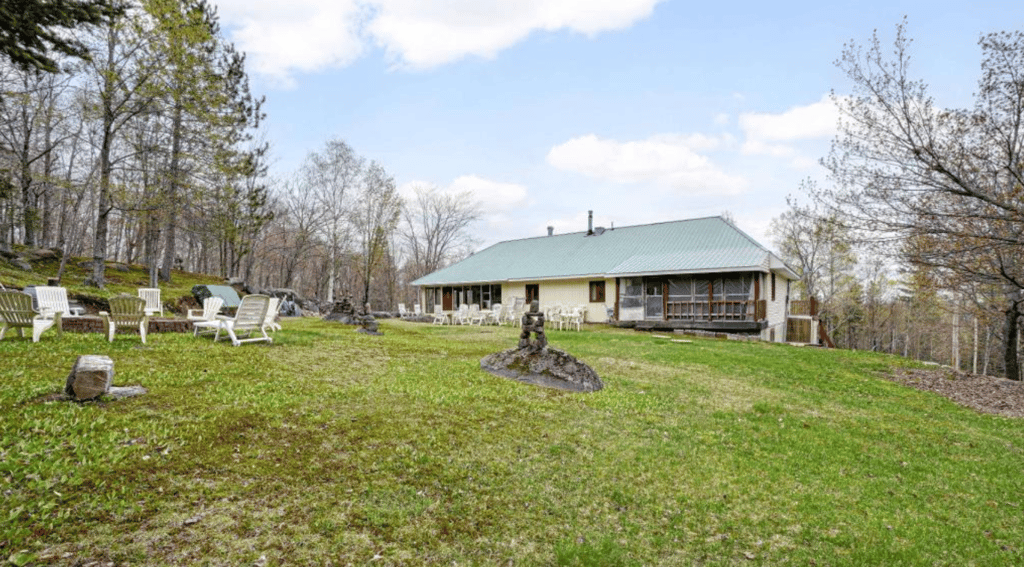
(16, 313)
(152, 297)
(440, 317)
(461, 317)
(54, 299)
(248, 319)
(476, 316)
(205, 320)
(517, 311)
(494, 315)
(270, 321)
(402, 311)
(126, 311)
(416, 311)
(572, 317)
(553, 316)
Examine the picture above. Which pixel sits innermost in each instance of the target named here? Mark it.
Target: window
(773, 286)
(597, 292)
(532, 292)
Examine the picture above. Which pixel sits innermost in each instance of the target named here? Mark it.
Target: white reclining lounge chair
(249, 319)
(205, 320)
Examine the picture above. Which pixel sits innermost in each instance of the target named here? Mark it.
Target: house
(690, 274)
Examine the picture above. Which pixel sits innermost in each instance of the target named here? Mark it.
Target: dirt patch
(985, 394)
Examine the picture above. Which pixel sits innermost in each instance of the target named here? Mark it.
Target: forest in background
(149, 150)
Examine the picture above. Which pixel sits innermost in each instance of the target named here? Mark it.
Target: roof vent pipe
(590, 223)
(551, 231)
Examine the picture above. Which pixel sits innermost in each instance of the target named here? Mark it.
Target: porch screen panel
(737, 294)
(700, 298)
(632, 293)
(680, 298)
(717, 298)
(631, 299)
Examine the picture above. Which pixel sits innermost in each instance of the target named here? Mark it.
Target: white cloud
(816, 120)
(309, 35)
(772, 134)
(281, 38)
(666, 160)
(427, 33)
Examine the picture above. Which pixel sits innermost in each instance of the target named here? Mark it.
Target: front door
(446, 299)
(654, 299)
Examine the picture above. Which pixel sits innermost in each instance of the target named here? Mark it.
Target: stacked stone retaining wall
(90, 324)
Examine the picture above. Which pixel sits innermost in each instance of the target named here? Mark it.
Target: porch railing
(716, 310)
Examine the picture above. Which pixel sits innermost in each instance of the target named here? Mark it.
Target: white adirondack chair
(16, 313)
(152, 297)
(440, 317)
(126, 311)
(248, 319)
(402, 311)
(205, 320)
(416, 311)
(54, 299)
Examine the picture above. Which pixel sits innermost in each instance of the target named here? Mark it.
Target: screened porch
(697, 299)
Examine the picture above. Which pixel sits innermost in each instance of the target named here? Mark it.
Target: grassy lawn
(332, 447)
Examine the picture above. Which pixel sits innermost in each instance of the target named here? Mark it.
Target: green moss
(117, 281)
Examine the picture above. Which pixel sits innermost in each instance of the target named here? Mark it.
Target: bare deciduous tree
(435, 228)
(374, 218)
(333, 175)
(942, 187)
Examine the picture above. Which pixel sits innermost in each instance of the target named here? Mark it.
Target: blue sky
(640, 110)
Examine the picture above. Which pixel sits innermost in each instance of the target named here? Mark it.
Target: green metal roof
(688, 246)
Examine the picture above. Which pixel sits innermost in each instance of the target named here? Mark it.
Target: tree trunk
(99, 242)
(954, 357)
(170, 200)
(28, 209)
(1010, 351)
(974, 364)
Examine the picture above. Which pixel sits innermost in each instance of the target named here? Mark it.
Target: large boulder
(547, 367)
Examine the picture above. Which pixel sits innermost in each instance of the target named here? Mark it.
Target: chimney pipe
(551, 230)
(590, 223)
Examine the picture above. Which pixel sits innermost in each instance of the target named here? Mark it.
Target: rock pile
(548, 367)
(535, 363)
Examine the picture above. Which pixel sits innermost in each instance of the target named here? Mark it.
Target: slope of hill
(121, 278)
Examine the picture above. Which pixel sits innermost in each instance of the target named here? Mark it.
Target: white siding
(776, 309)
(567, 293)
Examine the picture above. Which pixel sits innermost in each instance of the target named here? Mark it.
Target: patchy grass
(330, 446)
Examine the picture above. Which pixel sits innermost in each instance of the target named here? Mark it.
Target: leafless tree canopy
(151, 151)
(935, 188)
